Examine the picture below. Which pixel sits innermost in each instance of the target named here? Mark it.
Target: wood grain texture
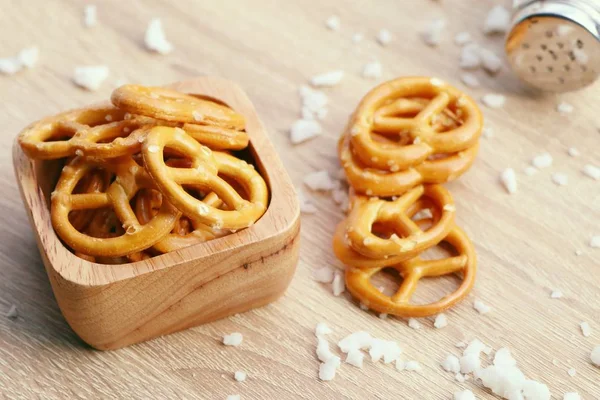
(525, 242)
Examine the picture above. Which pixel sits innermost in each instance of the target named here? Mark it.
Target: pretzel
(170, 105)
(207, 171)
(186, 232)
(397, 108)
(408, 237)
(375, 182)
(216, 137)
(130, 177)
(358, 281)
(96, 181)
(99, 131)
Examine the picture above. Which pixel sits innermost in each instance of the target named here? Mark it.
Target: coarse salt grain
(586, 329)
(481, 307)
(10, 66)
(233, 339)
(573, 152)
(560, 178)
(323, 351)
(324, 274)
(333, 23)
(355, 357)
(459, 377)
(490, 61)
(413, 323)
(469, 363)
(556, 294)
(470, 57)
(90, 77)
(441, 321)
(322, 329)
(328, 369)
(400, 364)
(530, 171)
(372, 70)
(240, 376)
(543, 160)
(13, 312)
(412, 366)
(306, 206)
(493, 100)
(535, 390)
(487, 132)
(462, 38)
(327, 79)
(357, 37)
(571, 372)
(319, 180)
(595, 241)
(592, 171)
(29, 56)
(356, 341)
(595, 356)
(571, 396)
(155, 38)
(384, 37)
(464, 395)
(338, 285)
(564, 108)
(470, 80)
(497, 20)
(234, 397)
(363, 306)
(89, 16)
(451, 364)
(433, 32)
(304, 129)
(509, 180)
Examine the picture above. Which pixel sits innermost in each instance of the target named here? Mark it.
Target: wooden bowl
(111, 306)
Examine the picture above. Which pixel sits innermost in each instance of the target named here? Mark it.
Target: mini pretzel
(170, 105)
(99, 131)
(375, 182)
(217, 138)
(358, 281)
(383, 110)
(129, 179)
(96, 181)
(408, 239)
(186, 232)
(207, 172)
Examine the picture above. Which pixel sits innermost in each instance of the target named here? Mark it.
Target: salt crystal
(469, 363)
(412, 366)
(89, 16)
(155, 38)
(441, 321)
(372, 70)
(470, 80)
(493, 100)
(357, 37)
(338, 285)
(572, 372)
(592, 171)
(433, 32)
(560, 178)
(451, 364)
(240, 376)
(304, 129)
(573, 152)
(509, 180)
(530, 171)
(556, 294)
(595, 241)
(384, 37)
(29, 56)
(414, 323)
(586, 330)
(355, 357)
(481, 307)
(564, 108)
(490, 61)
(319, 180)
(470, 57)
(233, 339)
(323, 275)
(327, 79)
(497, 20)
(595, 356)
(12, 313)
(333, 23)
(462, 38)
(90, 77)
(464, 395)
(322, 329)
(543, 160)
(328, 369)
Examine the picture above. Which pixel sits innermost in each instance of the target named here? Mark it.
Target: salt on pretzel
(218, 138)
(171, 105)
(101, 131)
(130, 177)
(407, 237)
(396, 107)
(374, 182)
(358, 281)
(186, 232)
(207, 172)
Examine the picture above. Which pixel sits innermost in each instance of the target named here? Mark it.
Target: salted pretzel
(171, 105)
(358, 281)
(396, 108)
(186, 232)
(374, 182)
(101, 131)
(96, 181)
(130, 178)
(408, 237)
(210, 172)
(218, 138)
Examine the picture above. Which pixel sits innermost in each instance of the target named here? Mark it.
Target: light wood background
(526, 243)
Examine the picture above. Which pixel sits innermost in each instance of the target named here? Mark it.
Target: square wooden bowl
(111, 306)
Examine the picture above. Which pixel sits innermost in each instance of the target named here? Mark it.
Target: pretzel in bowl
(358, 281)
(129, 179)
(171, 105)
(210, 172)
(99, 131)
(186, 232)
(375, 182)
(413, 107)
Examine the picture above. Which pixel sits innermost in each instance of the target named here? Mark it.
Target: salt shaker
(554, 45)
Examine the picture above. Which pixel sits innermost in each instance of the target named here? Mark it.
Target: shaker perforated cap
(554, 45)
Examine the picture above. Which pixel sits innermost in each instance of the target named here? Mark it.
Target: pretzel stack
(406, 137)
(152, 173)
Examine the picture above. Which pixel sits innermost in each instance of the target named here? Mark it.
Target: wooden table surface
(526, 242)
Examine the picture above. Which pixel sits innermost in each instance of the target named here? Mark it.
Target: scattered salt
(327, 79)
(470, 57)
(493, 100)
(451, 364)
(571, 396)
(556, 294)
(306, 206)
(338, 286)
(573, 152)
(595, 356)
(433, 32)
(333, 23)
(462, 38)
(564, 108)
(469, 363)
(592, 171)
(240, 376)
(441, 321)
(355, 357)
(490, 61)
(529, 171)
(233, 339)
(323, 351)
(319, 180)
(586, 329)
(571, 372)
(356, 341)
(89, 16)
(414, 323)
(327, 369)
(384, 37)
(155, 38)
(543, 160)
(509, 180)
(497, 20)
(412, 366)
(372, 70)
(470, 80)
(357, 37)
(90, 77)
(595, 241)
(304, 129)
(12, 313)
(322, 329)
(464, 395)
(481, 307)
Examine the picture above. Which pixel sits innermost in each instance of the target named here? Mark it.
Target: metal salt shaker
(554, 45)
